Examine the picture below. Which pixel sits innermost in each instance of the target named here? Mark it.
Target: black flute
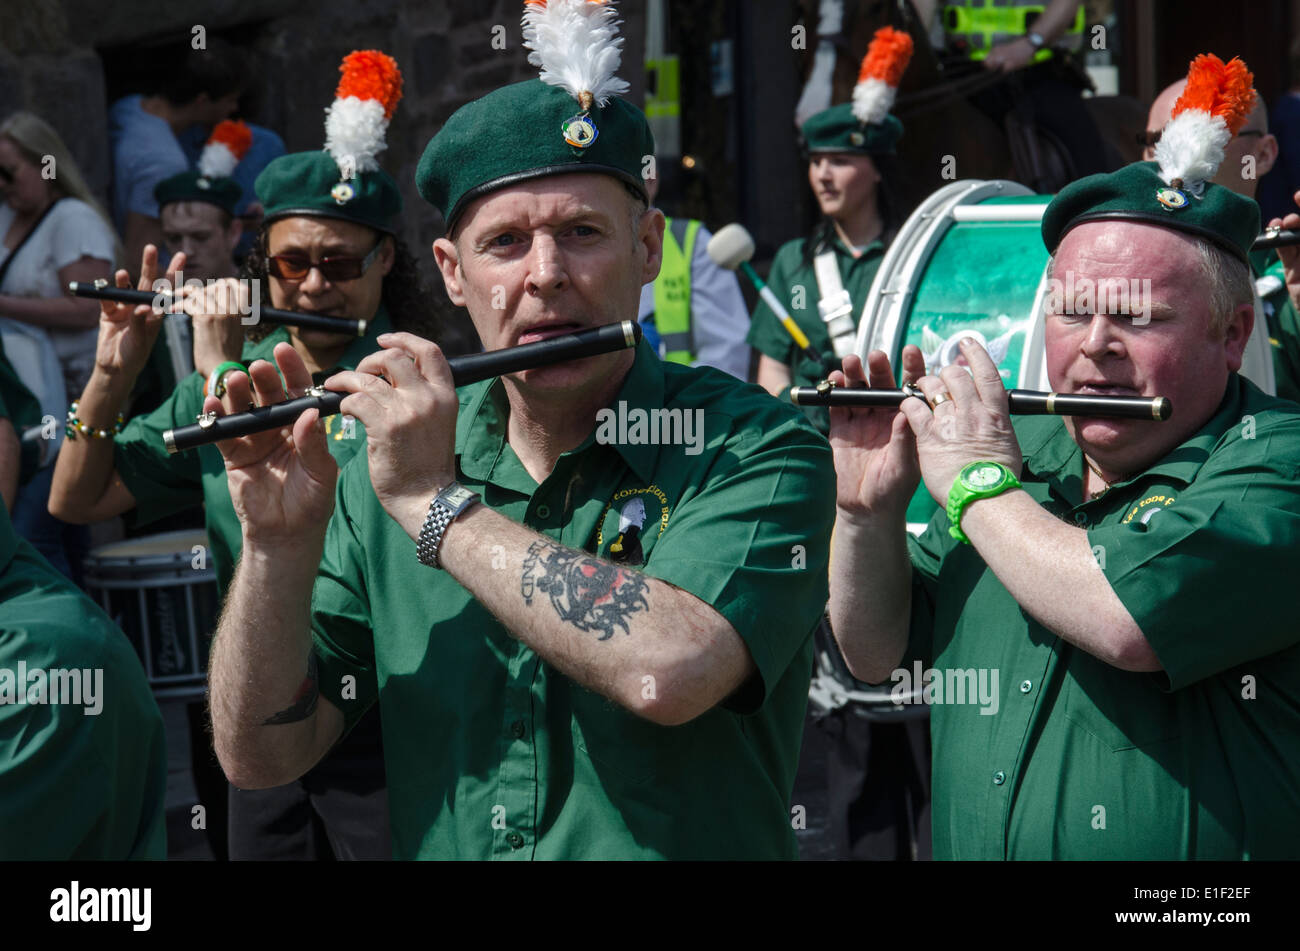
(1022, 402)
(102, 290)
(1276, 239)
(465, 369)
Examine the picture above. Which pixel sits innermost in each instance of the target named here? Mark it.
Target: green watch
(979, 480)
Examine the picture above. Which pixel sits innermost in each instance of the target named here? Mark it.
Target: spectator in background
(53, 232)
(693, 312)
(1281, 183)
(143, 133)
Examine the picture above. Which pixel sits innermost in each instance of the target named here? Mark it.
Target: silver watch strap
(441, 514)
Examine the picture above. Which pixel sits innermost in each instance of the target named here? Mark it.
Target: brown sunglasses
(296, 267)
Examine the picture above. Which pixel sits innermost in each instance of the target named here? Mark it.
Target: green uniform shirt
(74, 783)
(1082, 760)
(163, 483)
(795, 285)
(1283, 323)
(490, 751)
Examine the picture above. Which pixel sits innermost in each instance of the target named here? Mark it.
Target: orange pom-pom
(236, 136)
(887, 57)
(1219, 88)
(370, 74)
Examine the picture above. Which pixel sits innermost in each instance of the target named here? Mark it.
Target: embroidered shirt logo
(631, 535)
(1147, 508)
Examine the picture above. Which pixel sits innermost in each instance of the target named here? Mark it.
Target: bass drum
(970, 262)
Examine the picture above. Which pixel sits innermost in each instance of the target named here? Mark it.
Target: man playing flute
(315, 254)
(588, 641)
(1123, 585)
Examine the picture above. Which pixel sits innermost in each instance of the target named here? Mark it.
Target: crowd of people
(460, 622)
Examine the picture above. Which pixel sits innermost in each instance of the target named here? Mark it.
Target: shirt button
(515, 839)
(1026, 686)
(517, 729)
(999, 778)
(543, 511)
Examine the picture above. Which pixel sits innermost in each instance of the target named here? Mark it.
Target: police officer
(545, 695)
(1080, 566)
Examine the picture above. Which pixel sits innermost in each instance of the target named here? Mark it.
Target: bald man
(1247, 158)
(1254, 140)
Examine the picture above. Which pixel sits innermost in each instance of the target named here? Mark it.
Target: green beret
(837, 129)
(191, 186)
(309, 183)
(1138, 193)
(524, 131)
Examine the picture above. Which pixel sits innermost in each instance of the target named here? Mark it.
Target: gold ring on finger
(943, 397)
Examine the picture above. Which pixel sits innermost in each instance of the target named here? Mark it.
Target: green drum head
(981, 281)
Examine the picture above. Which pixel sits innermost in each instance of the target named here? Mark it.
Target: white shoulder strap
(835, 306)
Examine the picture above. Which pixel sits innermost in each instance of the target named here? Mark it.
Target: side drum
(161, 590)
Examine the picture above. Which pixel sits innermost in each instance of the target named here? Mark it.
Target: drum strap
(835, 306)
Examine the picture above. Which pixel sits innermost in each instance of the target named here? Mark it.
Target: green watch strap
(978, 480)
(216, 386)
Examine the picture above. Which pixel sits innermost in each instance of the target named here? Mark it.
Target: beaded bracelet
(76, 426)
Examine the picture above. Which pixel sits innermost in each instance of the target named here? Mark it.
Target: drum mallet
(731, 248)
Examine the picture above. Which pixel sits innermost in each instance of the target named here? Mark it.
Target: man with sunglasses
(1247, 158)
(314, 255)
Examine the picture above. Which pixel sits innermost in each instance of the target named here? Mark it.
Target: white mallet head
(731, 246)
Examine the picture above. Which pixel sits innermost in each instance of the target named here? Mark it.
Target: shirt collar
(1054, 457)
(485, 409)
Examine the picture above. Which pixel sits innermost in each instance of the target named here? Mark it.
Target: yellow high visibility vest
(673, 291)
(982, 24)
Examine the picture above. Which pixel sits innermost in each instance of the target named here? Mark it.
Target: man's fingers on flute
(913, 363)
(266, 383)
(295, 372)
(428, 356)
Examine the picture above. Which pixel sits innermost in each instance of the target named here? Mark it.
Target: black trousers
(879, 787)
(336, 811)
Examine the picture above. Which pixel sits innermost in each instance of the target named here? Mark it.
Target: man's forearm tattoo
(304, 701)
(586, 592)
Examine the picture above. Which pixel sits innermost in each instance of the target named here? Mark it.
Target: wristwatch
(1036, 40)
(444, 508)
(979, 480)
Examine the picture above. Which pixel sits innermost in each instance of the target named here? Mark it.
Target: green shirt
(795, 285)
(74, 783)
(1283, 322)
(493, 753)
(164, 484)
(1082, 760)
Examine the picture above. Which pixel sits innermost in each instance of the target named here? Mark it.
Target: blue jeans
(64, 546)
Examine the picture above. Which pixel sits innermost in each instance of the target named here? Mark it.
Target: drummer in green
(328, 245)
(1102, 619)
(588, 640)
(83, 758)
(823, 279)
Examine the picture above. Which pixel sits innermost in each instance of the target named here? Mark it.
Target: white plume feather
(217, 161)
(577, 46)
(872, 100)
(354, 134)
(1191, 147)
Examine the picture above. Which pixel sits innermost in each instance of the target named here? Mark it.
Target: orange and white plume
(357, 121)
(577, 46)
(225, 148)
(881, 72)
(1217, 100)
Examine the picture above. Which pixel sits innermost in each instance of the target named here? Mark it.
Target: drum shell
(162, 593)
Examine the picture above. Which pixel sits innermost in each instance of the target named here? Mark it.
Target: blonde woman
(53, 232)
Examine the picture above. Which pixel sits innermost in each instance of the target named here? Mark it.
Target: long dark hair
(404, 295)
(889, 203)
